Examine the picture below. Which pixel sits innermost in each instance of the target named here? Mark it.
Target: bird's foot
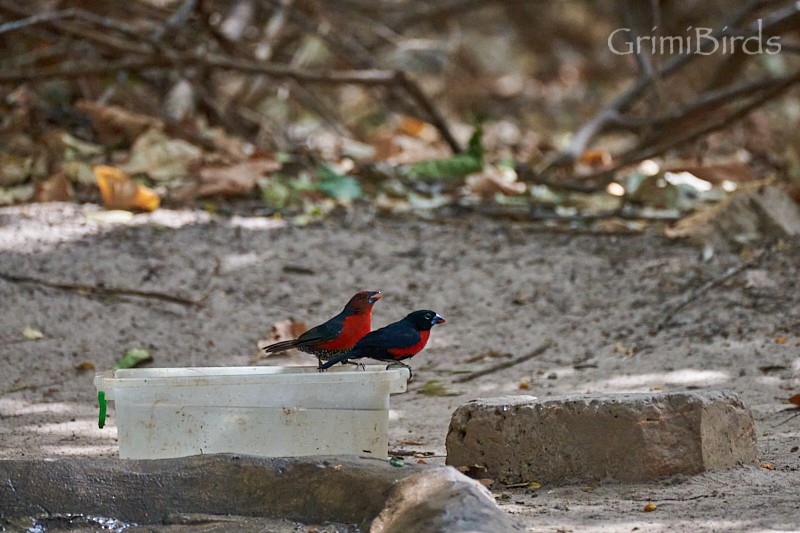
(398, 363)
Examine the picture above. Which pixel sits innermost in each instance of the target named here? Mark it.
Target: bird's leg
(398, 363)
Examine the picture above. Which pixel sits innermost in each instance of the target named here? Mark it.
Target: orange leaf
(781, 340)
(650, 506)
(596, 158)
(795, 400)
(417, 128)
(119, 191)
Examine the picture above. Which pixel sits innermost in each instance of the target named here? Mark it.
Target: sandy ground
(503, 287)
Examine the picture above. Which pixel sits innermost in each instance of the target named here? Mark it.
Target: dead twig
(672, 308)
(506, 364)
(613, 113)
(102, 291)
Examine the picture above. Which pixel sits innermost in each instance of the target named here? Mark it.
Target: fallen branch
(103, 291)
(506, 364)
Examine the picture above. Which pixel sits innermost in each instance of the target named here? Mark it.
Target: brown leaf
(691, 224)
(84, 366)
(795, 400)
(414, 127)
(56, 188)
(596, 158)
(119, 191)
(716, 174)
(114, 123)
(493, 179)
(235, 179)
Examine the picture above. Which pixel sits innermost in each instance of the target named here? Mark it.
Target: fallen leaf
(161, 158)
(113, 216)
(119, 191)
(495, 179)
(14, 169)
(717, 174)
(781, 340)
(649, 507)
(474, 471)
(237, 179)
(795, 400)
(457, 166)
(31, 333)
(437, 388)
(84, 366)
(338, 186)
(133, 358)
(114, 124)
(417, 128)
(525, 484)
(768, 466)
(486, 482)
(422, 462)
(596, 159)
(524, 385)
(56, 188)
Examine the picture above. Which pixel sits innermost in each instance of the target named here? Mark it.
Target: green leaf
(437, 388)
(457, 166)
(133, 358)
(338, 186)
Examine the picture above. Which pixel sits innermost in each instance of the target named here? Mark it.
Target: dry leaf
(32, 333)
(84, 366)
(781, 340)
(114, 123)
(768, 466)
(795, 400)
(691, 224)
(734, 171)
(161, 158)
(119, 191)
(235, 179)
(56, 188)
(414, 127)
(649, 507)
(524, 385)
(596, 158)
(495, 179)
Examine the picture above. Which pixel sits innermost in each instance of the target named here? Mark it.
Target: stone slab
(589, 438)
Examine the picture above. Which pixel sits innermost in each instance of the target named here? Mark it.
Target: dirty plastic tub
(262, 410)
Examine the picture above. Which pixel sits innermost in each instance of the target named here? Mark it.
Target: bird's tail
(281, 346)
(344, 356)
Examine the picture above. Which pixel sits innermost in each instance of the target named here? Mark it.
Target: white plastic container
(261, 410)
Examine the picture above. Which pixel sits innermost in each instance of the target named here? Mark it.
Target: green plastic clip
(101, 399)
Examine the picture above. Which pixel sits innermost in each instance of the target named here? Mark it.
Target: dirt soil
(504, 288)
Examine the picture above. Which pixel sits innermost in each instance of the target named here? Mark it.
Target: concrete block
(588, 438)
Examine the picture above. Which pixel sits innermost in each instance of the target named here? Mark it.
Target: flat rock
(587, 438)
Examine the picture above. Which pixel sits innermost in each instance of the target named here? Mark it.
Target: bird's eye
(428, 316)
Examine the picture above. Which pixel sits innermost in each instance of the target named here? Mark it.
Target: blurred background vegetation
(298, 108)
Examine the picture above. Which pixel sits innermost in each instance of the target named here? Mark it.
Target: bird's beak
(374, 296)
(438, 320)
